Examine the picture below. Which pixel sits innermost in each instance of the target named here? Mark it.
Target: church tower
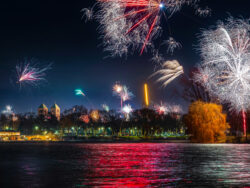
(55, 111)
(42, 110)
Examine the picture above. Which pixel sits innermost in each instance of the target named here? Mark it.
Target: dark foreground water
(124, 165)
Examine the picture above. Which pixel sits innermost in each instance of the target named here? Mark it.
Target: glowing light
(168, 109)
(146, 94)
(117, 88)
(127, 109)
(95, 115)
(84, 118)
(8, 110)
(161, 109)
(105, 107)
(244, 122)
(79, 92)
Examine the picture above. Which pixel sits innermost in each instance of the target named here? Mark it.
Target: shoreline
(103, 141)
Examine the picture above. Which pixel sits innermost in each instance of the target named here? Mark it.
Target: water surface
(124, 165)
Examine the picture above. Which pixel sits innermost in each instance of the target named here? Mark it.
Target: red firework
(145, 11)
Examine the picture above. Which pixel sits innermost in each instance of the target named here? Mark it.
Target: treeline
(78, 121)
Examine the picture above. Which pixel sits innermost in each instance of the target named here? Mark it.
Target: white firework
(203, 12)
(226, 62)
(170, 71)
(8, 110)
(172, 45)
(87, 13)
(127, 109)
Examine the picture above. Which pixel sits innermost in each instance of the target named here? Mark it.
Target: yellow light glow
(146, 94)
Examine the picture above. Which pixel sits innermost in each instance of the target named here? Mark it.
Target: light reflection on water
(124, 165)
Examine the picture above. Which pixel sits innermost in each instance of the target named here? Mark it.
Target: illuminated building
(55, 111)
(43, 110)
(9, 136)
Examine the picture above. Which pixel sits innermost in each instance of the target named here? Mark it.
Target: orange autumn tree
(206, 122)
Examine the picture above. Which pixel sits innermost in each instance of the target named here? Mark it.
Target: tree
(206, 123)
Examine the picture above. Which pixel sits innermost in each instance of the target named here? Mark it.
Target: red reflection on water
(127, 165)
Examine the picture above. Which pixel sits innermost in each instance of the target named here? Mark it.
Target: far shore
(230, 140)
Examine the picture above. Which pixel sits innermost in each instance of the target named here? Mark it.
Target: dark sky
(52, 31)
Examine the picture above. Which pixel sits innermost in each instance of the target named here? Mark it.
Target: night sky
(53, 31)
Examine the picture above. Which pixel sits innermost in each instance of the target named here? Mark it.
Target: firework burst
(161, 109)
(105, 107)
(225, 70)
(127, 109)
(95, 116)
(79, 92)
(31, 74)
(117, 89)
(126, 94)
(172, 44)
(8, 110)
(133, 24)
(170, 71)
(122, 92)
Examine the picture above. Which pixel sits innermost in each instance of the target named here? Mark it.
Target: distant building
(43, 110)
(9, 135)
(55, 111)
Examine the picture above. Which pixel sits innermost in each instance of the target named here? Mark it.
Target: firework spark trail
(79, 92)
(170, 71)
(126, 94)
(31, 74)
(134, 23)
(226, 67)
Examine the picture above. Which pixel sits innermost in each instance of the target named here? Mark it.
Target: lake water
(124, 165)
